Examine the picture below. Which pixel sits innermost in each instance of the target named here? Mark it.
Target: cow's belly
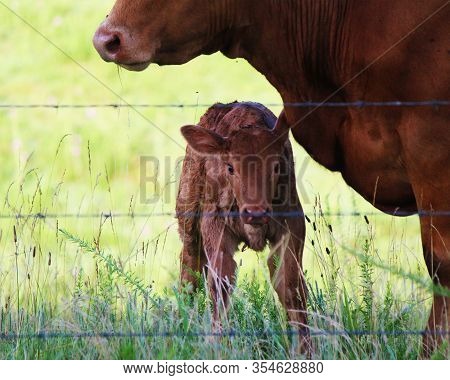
(385, 188)
(373, 163)
(368, 153)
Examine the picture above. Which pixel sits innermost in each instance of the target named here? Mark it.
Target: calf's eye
(230, 169)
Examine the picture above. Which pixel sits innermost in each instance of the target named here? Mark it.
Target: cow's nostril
(113, 45)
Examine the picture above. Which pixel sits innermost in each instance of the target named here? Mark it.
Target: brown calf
(237, 186)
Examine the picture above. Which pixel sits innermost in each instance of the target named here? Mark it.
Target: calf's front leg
(285, 266)
(193, 261)
(219, 246)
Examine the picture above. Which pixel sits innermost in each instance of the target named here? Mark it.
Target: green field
(76, 275)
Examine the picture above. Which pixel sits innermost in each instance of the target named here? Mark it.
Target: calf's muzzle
(255, 215)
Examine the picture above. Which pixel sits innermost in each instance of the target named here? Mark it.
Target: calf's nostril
(113, 45)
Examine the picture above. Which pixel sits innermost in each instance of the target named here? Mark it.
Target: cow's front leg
(219, 246)
(285, 265)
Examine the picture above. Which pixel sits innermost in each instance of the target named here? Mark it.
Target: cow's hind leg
(436, 244)
(426, 157)
(434, 205)
(285, 266)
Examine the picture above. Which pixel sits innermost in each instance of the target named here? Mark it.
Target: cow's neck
(311, 37)
(302, 48)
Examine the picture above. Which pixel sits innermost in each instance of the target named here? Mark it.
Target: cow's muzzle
(108, 43)
(115, 45)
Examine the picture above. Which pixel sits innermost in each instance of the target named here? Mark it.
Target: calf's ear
(203, 140)
(282, 127)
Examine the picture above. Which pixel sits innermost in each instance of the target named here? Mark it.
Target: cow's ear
(203, 140)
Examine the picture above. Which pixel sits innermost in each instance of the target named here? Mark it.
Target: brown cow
(398, 158)
(231, 193)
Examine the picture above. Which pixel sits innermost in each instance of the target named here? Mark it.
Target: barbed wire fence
(49, 335)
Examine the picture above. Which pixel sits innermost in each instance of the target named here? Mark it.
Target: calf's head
(252, 161)
(139, 32)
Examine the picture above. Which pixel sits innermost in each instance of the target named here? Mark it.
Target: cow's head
(251, 159)
(167, 32)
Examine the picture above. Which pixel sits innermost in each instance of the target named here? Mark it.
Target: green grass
(176, 325)
(119, 275)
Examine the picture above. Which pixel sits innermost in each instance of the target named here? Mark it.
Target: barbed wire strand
(354, 104)
(289, 214)
(231, 333)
